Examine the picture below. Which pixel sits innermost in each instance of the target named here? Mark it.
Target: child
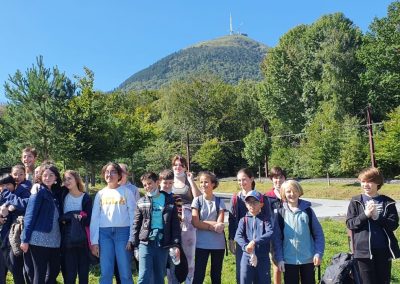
(278, 177)
(28, 158)
(23, 184)
(156, 228)
(245, 179)
(253, 236)
(303, 238)
(208, 218)
(111, 224)
(372, 219)
(77, 204)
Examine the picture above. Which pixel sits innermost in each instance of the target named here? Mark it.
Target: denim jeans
(112, 242)
(152, 263)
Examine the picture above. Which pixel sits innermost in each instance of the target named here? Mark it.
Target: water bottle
(173, 252)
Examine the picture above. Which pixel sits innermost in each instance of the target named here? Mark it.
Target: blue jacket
(260, 232)
(40, 212)
(299, 246)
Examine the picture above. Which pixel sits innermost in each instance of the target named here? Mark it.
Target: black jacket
(359, 224)
(142, 224)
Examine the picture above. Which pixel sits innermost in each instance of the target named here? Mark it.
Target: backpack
(235, 197)
(15, 235)
(342, 270)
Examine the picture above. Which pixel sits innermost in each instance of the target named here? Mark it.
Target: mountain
(231, 57)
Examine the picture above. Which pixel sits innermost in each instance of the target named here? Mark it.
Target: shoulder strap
(281, 219)
(200, 203)
(309, 213)
(217, 203)
(235, 205)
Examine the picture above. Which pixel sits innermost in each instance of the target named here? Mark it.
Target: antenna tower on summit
(231, 31)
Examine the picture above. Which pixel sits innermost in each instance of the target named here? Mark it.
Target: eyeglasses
(111, 173)
(252, 203)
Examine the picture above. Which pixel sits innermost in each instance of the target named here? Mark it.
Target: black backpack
(342, 270)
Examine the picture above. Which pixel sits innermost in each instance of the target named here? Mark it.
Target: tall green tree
(210, 155)
(380, 53)
(256, 147)
(35, 110)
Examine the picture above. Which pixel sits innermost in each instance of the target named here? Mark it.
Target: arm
(131, 205)
(319, 238)
(356, 218)
(276, 243)
(137, 225)
(87, 208)
(240, 236)
(32, 211)
(176, 227)
(232, 223)
(95, 221)
(20, 201)
(266, 236)
(193, 186)
(389, 220)
(199, 224)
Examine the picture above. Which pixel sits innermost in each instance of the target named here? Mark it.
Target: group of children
(178, 221)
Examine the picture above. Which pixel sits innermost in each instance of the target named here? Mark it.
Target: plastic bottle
(173, 252)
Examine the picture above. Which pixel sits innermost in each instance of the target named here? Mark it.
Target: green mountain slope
(232, 58)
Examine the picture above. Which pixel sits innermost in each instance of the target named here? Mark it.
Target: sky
(116, 39)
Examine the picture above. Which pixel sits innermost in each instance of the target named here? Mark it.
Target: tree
(210, 155)
(388, 143)
(36, 108)
(256, 147)
(380, 53)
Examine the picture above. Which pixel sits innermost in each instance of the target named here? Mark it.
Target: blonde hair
(78, 179)
(290, 184)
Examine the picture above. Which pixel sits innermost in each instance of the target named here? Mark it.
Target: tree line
(307, 114)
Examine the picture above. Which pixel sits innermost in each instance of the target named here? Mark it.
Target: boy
(156, 228)
(278, 177)
(28, 158)
(253, 235)
(372, 219)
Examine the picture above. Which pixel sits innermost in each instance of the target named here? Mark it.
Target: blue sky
(115, 39)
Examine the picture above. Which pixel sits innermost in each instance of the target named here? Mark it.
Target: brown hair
(166, 174)
(211, 176)
(372, 174)
(149, 175)
(77, 178)
(293, 185)
(248, 173)
(30, 150)
(180, 159)
(276, 172)
(115, 166)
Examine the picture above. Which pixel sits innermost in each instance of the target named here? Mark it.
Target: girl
(208, 218)
(77, 204)
(303, 238)
(111, 226)
(372, 219)
(245, 179)
(186, 189)
(41, 234)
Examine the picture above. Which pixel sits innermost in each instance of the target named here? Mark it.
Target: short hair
(7, 178)
(18, 167)
(166, 174)
(149, 175)
(211, 176)
(180, 159)
(30, 150)
(116, 166)
(293, 185)
(276, 172)
(248, 173)
(372, 174)
(124, 168)
(78, 179)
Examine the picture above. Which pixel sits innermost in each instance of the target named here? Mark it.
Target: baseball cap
(254, 194)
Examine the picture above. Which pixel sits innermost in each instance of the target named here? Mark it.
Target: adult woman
(76, 205)
(41, 234)
(111, 226)
(185, 188)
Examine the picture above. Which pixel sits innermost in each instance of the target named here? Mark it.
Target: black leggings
(45, 261)
(200, 265)
(304, 272)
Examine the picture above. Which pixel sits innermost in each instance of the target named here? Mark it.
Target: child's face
(292, 195)
(9, 186)
(277, 181)
(166, 184)
(253, 205)
(370, 188)
(18, 175)
(244, 181)
(70, 181)
(178, 168)
(111, 175)
(149, 185)
(206, 184)
(48, 178)
(28, 159)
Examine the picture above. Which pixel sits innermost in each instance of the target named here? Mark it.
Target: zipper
(369, 231)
